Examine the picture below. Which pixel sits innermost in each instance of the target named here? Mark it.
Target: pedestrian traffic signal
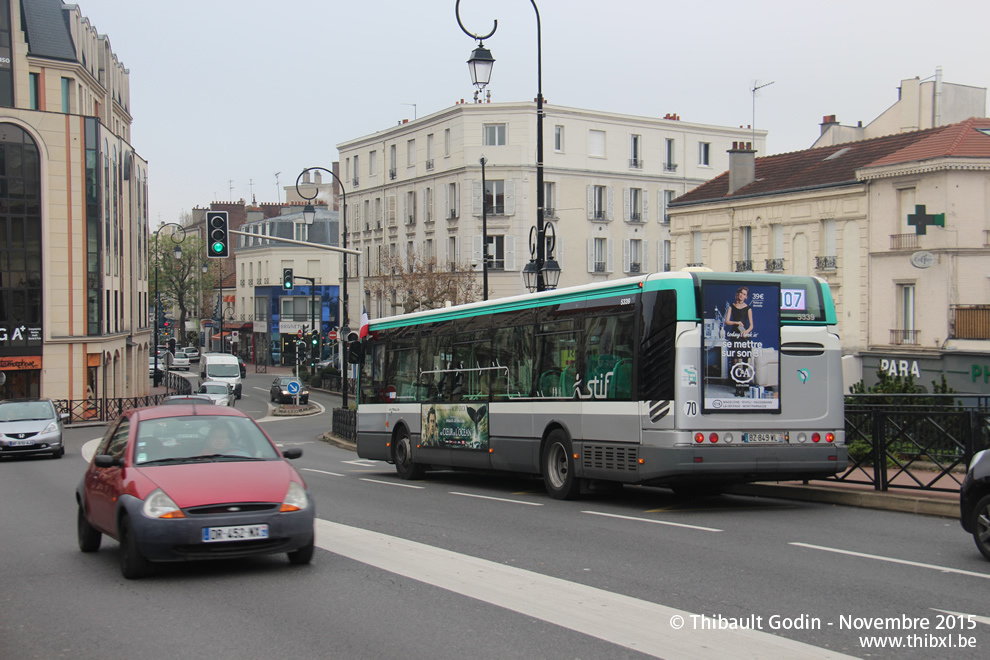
(218, 234)
(286, 278)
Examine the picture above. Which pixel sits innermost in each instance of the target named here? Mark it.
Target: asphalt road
(478, 566)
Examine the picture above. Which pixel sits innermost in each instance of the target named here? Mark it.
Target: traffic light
(218, 234)
(165, 321)
(314, 345)
(286, 278)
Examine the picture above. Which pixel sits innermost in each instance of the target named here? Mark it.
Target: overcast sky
(225, 93)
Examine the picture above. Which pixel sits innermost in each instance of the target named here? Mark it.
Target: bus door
(810, 368)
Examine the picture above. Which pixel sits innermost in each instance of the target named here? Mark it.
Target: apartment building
(74, 320)
(898, 225)
(415, 191)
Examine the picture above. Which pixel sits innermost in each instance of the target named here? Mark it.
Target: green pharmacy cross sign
(920, 220)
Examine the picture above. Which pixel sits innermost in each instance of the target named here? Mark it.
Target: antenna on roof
(757, 86)
(414, 109)
(278, 190)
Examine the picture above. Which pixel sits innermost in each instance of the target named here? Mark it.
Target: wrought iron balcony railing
(744, 266)
(775, 265)
(904, 337)
(826, 263)
(903, 241)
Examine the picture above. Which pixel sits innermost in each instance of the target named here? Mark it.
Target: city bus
(687, 380)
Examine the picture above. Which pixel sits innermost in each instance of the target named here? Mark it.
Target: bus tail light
(829, 437)
(699, 459)
(713, 437)
(699, 437)
(815, 437)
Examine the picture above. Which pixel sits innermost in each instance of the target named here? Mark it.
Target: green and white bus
(690, 380)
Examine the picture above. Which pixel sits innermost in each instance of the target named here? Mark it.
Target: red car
(185, 482)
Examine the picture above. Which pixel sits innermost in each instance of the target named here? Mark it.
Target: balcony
(391, 174)
(635, 216)
(904, 337)
(634, 268)
(697, 264)
(452, 215)
(744, 266)
(599, 215)
(599, 266)
(429, 165)
(826, 263)
(670, 167)
(549, 213)
(636, 163)
(495, 209)
(969, 322)
(903, 241)
(775, 265)
(241, 283)
(354, 182)
(411, 220)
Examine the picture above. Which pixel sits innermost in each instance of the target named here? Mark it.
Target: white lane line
(89, 449)
(635, 624)
(935, 567)
(392, 483)
(497, 499)
(975, 617)
(363, 463)
(332, 474)
(655, 522)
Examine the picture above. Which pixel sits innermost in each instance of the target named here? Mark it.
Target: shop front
(965, 372)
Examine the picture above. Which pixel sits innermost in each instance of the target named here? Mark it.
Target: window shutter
(510, 197)
(448, 192)
(476, 250)
(625, 256)
(477, 198)
(625, 204)
(611, 203)
(591, 202)
(645, 262)
(645, 196)
(405, 210)
(510, 253)
(609, 267)
(457, 199)
(591, 255)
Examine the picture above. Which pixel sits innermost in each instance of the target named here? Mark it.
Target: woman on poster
(739, 325)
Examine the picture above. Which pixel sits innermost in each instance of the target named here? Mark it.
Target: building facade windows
(494, 135)
(558, 138)
(704, 154)
(495, 197)
(635, 151)
(669, 163)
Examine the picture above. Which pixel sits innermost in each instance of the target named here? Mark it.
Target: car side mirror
(292, 452)
(64, 416)
(104, 461)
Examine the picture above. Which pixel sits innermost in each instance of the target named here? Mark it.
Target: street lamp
(480, 65)
(309, 215)
(177, 252)
(550, 272)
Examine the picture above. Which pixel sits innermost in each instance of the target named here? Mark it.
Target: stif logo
(804, 375)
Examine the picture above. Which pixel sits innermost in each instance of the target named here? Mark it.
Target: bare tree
(180, 281)
(417, 283)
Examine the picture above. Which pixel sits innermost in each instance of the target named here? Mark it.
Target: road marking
(655, 522)
(332, 474)
(640, 625)
(944, 569)
(363, 463)
(975, 617)
(497, 499)
(392, 483)
(89, 449)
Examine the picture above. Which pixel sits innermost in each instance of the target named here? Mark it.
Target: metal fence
(108, 409)
(914, 441)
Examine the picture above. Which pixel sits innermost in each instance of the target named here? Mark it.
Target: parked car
(242, 365)
(280, 390)
(219, 392)
(974, 501)
(151, 366)
(192, 353)
(29, 427)
(170, 484)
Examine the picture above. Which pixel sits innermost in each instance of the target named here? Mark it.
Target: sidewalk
(924, 502)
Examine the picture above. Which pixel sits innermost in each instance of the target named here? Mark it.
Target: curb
(947, 508)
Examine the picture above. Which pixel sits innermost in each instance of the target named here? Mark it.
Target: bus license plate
(235, 533)
(763, 437)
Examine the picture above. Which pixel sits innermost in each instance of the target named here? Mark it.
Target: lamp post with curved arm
(309, 215)
(177, 251)
(480, 65)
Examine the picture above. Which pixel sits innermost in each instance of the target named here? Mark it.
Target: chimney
(827, 122)
(318, 177)
(742, 166)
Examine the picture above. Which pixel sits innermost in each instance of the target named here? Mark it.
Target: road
(478, 566)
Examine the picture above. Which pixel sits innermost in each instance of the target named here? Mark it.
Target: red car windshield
(182, 439)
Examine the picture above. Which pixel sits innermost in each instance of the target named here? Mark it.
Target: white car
(221, 392)
(177, 361)
(192, 353)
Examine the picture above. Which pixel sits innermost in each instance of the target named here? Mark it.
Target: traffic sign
(332, 335)
(300, 333)
(293, 387)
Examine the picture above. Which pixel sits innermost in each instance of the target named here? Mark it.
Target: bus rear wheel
(558, 467)
(402, 456)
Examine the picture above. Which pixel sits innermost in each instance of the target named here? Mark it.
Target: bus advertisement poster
(455, 426)
(741, 345)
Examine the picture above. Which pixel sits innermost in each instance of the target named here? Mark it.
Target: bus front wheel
(402, 456)
(558, 467)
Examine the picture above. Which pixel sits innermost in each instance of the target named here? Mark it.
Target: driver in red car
(218, 441)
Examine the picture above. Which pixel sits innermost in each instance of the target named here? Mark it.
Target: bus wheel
(558, 467)
(402, 456)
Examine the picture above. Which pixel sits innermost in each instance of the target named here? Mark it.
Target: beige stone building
(898, 225)
(415, 190)
(73, 212)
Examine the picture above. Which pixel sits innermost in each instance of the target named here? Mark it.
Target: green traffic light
(218, 247)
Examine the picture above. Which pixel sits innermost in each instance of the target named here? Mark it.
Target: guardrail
(109, 409)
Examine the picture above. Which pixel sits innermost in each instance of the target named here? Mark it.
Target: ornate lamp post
(480, 66)
(309, 215)
(177, 252)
